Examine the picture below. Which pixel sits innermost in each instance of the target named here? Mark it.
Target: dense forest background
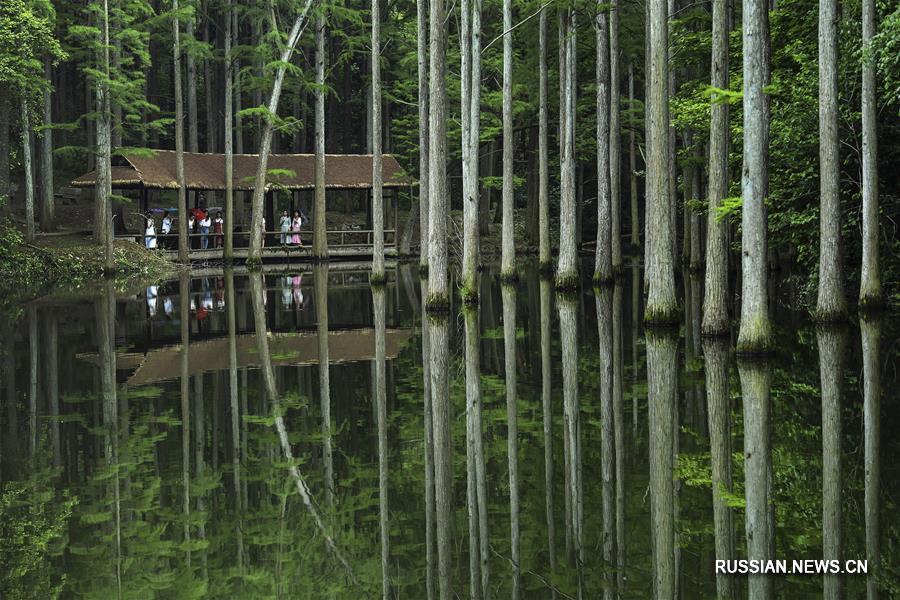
(50, 57)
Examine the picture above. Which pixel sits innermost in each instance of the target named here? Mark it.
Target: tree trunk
(320, 236)
(603, 259)
(238, 103)
(438, 288)
(661, 400)
(673, 144)
(615, 142)
(508, 242)
(547, 414)
(229, 135)
(607, 437)
(695, 261)
(471, 109)
(5, 122)
(715, 303)
(567, 269)
(377, 191)
(870, 331)
(424, 164)
(212, 133)
(191, 66)
(381, 397)
(48, 206)
(870, 292)
(718, 394)
(632, 166)
(512, 427)
(183, 242)
(756, 380)
(831, 343)
(661, 302)
(26, 166)
(831, 305)
(543, 158)
(320, 283)
(259, 185)
(755, 330)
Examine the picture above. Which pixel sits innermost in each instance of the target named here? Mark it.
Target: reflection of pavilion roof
(285, 349)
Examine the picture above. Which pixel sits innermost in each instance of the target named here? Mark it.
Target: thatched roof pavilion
(206, 172)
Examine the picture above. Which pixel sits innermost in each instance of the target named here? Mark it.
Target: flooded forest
(429, 299)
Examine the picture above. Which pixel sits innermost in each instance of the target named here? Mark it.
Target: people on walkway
(205, 224)
(285, 225)
(296, 222)
(219, 229)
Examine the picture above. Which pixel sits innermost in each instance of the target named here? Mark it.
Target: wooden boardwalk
(282, 253)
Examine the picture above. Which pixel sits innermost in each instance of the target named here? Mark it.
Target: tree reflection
(870, 330)
(715, 350)
(572, 434)
(661, 399)
(832, 341)
(756, 381)
(604, 299)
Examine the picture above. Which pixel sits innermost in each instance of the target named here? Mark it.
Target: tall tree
(259, 185)
(755, 330)
(191, 72)
(870, 292)
(567, 268)
(103, 190)
(632, 166)
(424, 121)
(377, 191)
(438, 288)
(48, 206)
(661, 302)
(229, 141)
(183, 242)
(615, 142)
(603, 260)
(470, 42)
(715, 303)
(831, 304)
(543, 150)
(320, 235)
(508, 242)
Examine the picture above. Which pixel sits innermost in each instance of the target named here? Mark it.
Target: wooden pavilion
(154, 172)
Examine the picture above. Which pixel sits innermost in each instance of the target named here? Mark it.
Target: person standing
(205, 223)
(191, 229)
(296, 222)
(219, 229)
(285, 225)
(150, 234)
(166, 229)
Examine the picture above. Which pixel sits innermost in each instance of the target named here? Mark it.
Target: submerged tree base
(568, 282)
(663, 316)
(873, 303)
(378, 279)
(469, 295)
(509, 277)
(437, 304)
(600, 280)
(830, 316)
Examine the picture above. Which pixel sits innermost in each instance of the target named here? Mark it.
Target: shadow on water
(307, 435)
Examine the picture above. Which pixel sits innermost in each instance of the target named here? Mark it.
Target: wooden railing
(338, 238)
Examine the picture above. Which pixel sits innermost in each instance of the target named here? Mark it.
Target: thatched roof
(207, 171)
(300, 348)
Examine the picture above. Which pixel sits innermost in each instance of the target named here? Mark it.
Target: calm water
(143, 454)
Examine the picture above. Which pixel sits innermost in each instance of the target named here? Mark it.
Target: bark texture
(755, 331)
(661, 302)
(377, 191)
(438, 285)
(831, 304)
(603, 259)
(424, 136)
(870, 291)
(320, 237)
(508, 242)
(48, 206)
(715, 303)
